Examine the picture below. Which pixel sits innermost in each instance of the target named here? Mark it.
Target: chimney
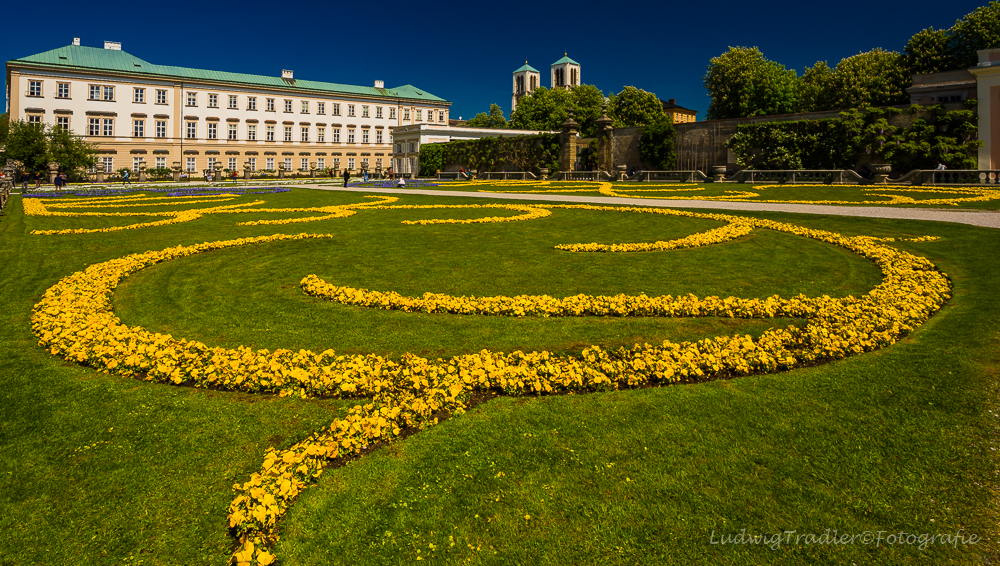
(76, 41)
(113, 45)
(286, 74)
(379, 84)
(672, 101)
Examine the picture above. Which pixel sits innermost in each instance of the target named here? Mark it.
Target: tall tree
(634, 107)
(494, 119)
(874, 78)
(4, 127)
(815, 92)
(34, 146)
(927, 52)
(980, 29)
(547, 109)
(742, 82)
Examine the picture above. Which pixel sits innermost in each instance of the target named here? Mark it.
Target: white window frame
(269, 163)
(161, 162)
(350, 135)
(233, 165)
(233, 101)
(269, 134)
(93, 126)
(320, 134)
(192, 130)
(212, 131)
(321, 108)
(62, 90)
(138, 95)
(251, 132)
(233, 131)
(192, 165)
(288, 105)
(269, 105)
(108, 127)
(336, 135)
(251, 103)
(304, 131)
(378, 111)
(305, 107)
(288, 133)
(161, 96)
(138, 128)
(350, 110)
(108, 93)
(161, 128)
(213, 100)
(192, 99)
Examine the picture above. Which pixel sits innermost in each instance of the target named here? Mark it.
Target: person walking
(57, 181)
(24, 180)
(347, 176)
(126, 178)
(38, 180)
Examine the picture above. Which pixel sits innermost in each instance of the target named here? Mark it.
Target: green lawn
(101, 470)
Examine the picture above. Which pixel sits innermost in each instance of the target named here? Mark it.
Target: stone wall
(625, 148)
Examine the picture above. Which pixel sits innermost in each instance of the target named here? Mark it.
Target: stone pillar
(312, 169)
(281, 170)
(567, 157)
(605, 141)
(142, 171)
(246, 171)
(177, 171)
(53, 171)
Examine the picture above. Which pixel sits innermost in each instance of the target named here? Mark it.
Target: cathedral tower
(526, 80)
(565, 73)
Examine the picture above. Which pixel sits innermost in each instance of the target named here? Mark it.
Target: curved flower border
(74, 320)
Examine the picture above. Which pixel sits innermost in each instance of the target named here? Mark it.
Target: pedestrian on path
(126, 176)
(347, 176)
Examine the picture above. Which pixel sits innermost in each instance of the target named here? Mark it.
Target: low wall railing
(507, 176)
(676, 176)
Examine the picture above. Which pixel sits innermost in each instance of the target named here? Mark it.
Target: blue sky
(465, 52)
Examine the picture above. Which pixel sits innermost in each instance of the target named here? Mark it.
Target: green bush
(521, 153)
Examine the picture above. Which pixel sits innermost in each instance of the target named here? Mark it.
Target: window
(232, 164)
(269, 105)
(392, 113)
(95, 92)
(321, 108)
(34, 119)
(350, 135)
(211, 163)
(109, 93)
(288, 105)
(213, 100)
(62, 122)
(34, 88)
(288, 133)
(440, 115)
(336, 135)
(138, 128)
(251, 103)
(136, 161)
(305, 133)
(305, 163)
(161, 97)
(253, 163)
(108, 127)
(269, 133)
(62, 90)
(350, 163)
(232, 102)
(336, 109)
(350, 110)
(213, 130)
(269, 163)
(364, 136)
(419, 117)
(378, 162)
(251, 132)
(321, 135)
(161, 162)
(192, 130)
(139, 95)
(94, 127)
(406, 113)
(305, 106)
(364, 111)
(232, 132)
(109, 164)
(192, 99)
(378, 111)
(191, 165)
(336, 163)
(288, 164)
(161, 128)
(364, 163)
(321, 163)
(378, 136)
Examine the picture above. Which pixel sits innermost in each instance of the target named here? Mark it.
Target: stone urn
(544, 172)
(621, 172)
(718, 173)
(880, 172)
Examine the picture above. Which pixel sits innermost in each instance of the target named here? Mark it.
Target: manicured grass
(100, 470)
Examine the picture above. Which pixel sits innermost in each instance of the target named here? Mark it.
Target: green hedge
(868, 134)
(521, 153)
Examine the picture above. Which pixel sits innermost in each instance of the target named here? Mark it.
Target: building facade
(163, 116)
(526, 80)
(678, 113)
(987, 75)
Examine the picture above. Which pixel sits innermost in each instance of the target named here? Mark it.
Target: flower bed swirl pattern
(74, 320)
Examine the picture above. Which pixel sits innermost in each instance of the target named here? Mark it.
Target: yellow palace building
(163, 116)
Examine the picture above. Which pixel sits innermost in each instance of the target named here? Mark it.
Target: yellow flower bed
(74, 320)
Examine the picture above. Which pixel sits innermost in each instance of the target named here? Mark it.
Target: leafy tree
(742, 82)
(547, 109)
(4, 127)
(977, 30)
(815, 92)
(34, 146)
(927, 52)
(657, 145)
(874, 78)
(494, 119)
(634, 107)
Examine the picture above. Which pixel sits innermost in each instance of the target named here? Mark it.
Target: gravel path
(985, 218)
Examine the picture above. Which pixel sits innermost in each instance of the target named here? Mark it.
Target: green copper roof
(80, 57)
(526, 67)
(564, 60)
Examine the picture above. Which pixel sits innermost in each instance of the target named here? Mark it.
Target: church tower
(526, 80)
(565, 73)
